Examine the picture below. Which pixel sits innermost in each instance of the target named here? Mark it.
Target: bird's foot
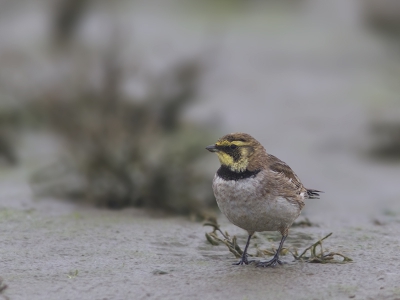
(271, 263)
(244, 260)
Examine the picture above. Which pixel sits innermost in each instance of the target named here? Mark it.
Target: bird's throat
(229, 162)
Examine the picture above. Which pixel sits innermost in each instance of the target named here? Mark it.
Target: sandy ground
(55, 250)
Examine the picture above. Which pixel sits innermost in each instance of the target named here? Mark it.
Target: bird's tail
(313, 194)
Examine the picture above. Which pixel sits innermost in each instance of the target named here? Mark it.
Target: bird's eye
(233, 146)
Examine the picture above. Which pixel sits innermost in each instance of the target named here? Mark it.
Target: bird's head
(238, 151)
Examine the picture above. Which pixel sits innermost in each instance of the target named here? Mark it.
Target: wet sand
(56, 250)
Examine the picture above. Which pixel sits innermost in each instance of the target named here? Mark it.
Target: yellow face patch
(237, 162)
(236, 166)
(225, 159)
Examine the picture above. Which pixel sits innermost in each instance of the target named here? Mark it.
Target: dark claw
(244, 260)
(271, 263)
(275, 260)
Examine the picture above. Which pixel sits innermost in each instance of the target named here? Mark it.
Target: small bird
(256, 191)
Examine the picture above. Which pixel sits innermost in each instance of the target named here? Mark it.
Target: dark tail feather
(313, 194)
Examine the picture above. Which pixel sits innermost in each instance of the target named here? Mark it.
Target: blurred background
(111, 103)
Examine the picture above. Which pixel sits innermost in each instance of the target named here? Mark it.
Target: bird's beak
(212, 148)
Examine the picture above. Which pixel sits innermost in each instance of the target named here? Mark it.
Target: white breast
(244, 205)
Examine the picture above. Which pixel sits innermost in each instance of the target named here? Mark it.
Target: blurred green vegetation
(383, 16)
(118, 150)
(385, 137)
(124, 151)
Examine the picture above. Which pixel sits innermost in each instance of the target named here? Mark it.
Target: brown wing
(286, 182)
(285, 172)
(278, 166)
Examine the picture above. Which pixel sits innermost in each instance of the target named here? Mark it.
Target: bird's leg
(275, 259)
(243, 259)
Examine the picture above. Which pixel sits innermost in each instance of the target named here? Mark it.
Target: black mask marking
(235, 153)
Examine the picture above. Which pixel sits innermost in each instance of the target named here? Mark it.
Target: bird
(256, 191)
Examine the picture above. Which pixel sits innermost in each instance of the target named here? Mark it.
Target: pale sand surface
(129, 254)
